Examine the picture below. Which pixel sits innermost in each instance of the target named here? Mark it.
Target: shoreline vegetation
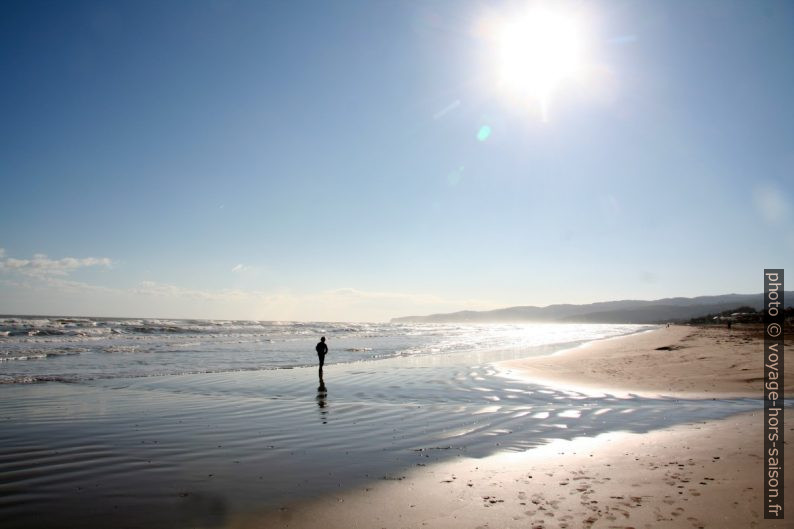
(695, 475)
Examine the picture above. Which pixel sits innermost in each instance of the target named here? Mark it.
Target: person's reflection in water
(322, 395)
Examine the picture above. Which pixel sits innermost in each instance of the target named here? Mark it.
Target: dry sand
(703, 475)
(679, 360)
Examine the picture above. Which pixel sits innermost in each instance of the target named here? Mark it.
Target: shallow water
(191, 450)
(78, 349)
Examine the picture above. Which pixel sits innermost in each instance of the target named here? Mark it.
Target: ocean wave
(38, 349)
(34, 379)
(22, 357)
(69, 326)
(36, 354)
(120, 349)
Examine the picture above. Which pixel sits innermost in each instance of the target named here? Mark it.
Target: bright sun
(537, 52)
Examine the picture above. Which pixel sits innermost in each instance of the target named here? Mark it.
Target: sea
(66, 349)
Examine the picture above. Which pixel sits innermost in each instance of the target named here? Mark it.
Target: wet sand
(679, 360)
(703, 475)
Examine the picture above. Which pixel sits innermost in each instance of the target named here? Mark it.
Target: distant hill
(625, 311)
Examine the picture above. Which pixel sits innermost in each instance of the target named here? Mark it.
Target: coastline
(694, 475)
(680, 361)
(235, 449)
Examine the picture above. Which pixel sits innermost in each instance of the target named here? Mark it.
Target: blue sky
(321, 160)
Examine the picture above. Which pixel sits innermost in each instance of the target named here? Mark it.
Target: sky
(362, 160)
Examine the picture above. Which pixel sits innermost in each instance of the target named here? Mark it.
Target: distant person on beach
(321, 349)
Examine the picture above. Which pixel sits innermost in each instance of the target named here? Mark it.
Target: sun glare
(537, 52)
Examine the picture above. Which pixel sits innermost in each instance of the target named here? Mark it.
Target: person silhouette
(321, 349)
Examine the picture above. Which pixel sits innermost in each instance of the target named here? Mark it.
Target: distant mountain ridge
(624, 311)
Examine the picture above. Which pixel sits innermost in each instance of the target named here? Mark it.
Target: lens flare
(537, 52)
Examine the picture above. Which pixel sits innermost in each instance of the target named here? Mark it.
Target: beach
(700, 475)
(444, 436)
(694, 475)
(677, 360)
